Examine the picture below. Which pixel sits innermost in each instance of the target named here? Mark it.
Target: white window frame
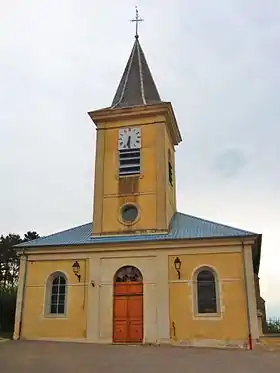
(48, 295)
(217, 291)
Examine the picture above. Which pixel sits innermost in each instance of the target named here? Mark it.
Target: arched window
(206, 292)
(56, 293)
(128, 274)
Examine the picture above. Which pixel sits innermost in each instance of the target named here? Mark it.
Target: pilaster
(20, 297)
(251, 292)
(98, 182)
(162, 286)
(93, 300)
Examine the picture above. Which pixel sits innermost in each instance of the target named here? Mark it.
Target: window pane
(54, 299)
(205, 276)
(56, 280)
(62, 289)
(61, 298)
(207, 306)
(62, 280)
(57, 296)
(60, 308)
(206, 292)
(54, 289)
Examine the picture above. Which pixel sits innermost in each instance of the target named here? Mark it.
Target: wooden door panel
(120, 331)
(135, 307)
(128, 312)
(134, 288)
(120, 288)
(120, 308)
(135, 331)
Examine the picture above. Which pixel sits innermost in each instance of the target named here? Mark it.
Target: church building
(140, 271)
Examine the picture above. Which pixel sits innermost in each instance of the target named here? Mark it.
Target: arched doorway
(128, 306)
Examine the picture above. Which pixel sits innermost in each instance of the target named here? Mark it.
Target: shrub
(7, 309)
(273, 325)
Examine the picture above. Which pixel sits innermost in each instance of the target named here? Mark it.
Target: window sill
(53, 316)
(207, 316)
(135, 176)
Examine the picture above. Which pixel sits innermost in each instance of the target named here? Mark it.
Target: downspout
(23, 295)
(247, 300)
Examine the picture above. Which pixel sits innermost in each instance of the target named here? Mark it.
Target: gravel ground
(59, 357)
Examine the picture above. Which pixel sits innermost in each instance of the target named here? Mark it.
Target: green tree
(31, 235)
(9, 262)
(273, 325)
(9, 269)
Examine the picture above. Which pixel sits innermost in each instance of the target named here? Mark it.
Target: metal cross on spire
(137, 19)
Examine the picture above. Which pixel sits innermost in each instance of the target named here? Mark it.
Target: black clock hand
(128, 141)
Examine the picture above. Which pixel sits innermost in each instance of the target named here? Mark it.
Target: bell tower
(134, 187)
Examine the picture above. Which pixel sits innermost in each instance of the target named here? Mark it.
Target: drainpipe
(247, 300)
(23, 295)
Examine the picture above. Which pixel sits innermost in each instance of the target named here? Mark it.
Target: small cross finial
(136, 20)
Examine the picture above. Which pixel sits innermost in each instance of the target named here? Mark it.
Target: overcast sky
(217, 61)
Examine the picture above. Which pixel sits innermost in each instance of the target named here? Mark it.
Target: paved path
(55, 357)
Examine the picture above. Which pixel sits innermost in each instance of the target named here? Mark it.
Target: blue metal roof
(182, 227)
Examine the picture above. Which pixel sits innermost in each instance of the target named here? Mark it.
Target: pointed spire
(137, 86)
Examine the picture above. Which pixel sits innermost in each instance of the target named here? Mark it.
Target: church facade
(141, 272)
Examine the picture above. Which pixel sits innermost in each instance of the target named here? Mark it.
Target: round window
(129, 213)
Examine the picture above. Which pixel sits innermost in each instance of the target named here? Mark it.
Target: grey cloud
(230, 162)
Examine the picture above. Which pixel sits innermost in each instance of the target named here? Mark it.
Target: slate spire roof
(137, 86)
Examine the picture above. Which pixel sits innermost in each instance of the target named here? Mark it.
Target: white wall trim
(47, 294)
(249, 271)
(218, 287)
(20, 295)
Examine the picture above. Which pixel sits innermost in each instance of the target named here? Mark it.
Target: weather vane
(136, 20)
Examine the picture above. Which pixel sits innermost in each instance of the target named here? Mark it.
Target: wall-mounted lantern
(177, 265)
(76, 270)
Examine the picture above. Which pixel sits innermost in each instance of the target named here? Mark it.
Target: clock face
(129, 138)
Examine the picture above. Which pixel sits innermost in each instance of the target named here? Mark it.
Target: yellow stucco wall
(35, 320)
(151, 190)
(231, 324)
(166, 299)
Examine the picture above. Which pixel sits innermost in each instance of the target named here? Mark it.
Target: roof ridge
(127, 76)
(215, 222)
(141, 74)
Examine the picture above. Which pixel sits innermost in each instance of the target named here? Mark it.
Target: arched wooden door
(128, 306)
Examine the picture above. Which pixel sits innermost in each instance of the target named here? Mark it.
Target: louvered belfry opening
(129, 160)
